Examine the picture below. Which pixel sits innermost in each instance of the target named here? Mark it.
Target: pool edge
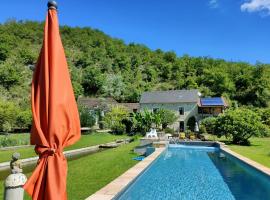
(112, 189)
(261, 168)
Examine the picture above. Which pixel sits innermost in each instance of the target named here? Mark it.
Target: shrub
(8, 114)
(202, 129)
(187, 132)
(128, 125)
(24, 119)
(115, 118)
(240, 125)
(209, 124)
(7, 141)
(6, 127)
(167, 117)
(265, 115)
(87, 117)
(169, 130)
(101, 124)
(143, 121)
(118, 128)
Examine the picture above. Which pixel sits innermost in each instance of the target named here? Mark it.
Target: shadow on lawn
(244, 145)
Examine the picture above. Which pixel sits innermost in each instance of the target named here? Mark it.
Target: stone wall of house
(190, 109)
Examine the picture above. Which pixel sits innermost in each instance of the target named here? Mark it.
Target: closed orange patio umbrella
(56, 121)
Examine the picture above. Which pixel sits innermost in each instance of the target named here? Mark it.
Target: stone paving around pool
(112, 189)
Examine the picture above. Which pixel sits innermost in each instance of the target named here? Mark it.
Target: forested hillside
(103, 66)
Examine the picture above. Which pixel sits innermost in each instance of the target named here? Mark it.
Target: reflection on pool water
(199, 173)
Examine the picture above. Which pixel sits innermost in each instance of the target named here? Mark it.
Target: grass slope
(88, 174)
(85, 141)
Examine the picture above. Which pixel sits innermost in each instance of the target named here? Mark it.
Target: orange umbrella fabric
(56, 121)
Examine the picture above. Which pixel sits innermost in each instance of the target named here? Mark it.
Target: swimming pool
(199, 173)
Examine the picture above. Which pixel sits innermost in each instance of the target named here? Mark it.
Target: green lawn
(259, 150)
(85, 141)
(90, 173)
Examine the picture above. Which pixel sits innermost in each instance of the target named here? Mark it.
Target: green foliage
(24, 119)
(92, 80)
(9, 75)
(240, 125)
(103, 66)
(7, 141)
(253, 86)
(115, 118)
(202, 129)
(167, 117)
(265, 115)
(8, 115)
(217, 81)
(87, 117)
(209, 123)
(6, 127)
(78, 89)
(114, 86)
(169, 130)
(143, 121)
(14, 140)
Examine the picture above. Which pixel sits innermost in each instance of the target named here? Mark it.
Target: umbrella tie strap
(44, 152)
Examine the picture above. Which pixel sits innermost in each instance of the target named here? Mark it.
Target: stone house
(187, 104)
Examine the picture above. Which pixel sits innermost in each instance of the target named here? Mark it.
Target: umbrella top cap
(52, 5)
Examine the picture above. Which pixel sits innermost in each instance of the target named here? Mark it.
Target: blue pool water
(189, 173)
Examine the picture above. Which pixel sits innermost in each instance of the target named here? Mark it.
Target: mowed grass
(85, 141)
(90, 173)
(259, 150)
(97, 170)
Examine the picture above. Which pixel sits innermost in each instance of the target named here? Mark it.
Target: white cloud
(213, 3)
(262, 6)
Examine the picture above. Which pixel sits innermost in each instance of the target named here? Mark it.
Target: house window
(181, 111)
(155, 110)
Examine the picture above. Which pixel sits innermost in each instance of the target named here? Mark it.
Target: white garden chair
(152, 133)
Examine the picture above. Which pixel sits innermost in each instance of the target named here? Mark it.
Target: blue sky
(235, 30)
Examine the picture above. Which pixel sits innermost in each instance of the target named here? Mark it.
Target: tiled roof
(170, 96)
(96, 102)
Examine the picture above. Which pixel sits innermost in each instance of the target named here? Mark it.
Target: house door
(181, 126)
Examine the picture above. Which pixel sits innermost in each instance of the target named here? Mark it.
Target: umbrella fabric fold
(56, 121)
